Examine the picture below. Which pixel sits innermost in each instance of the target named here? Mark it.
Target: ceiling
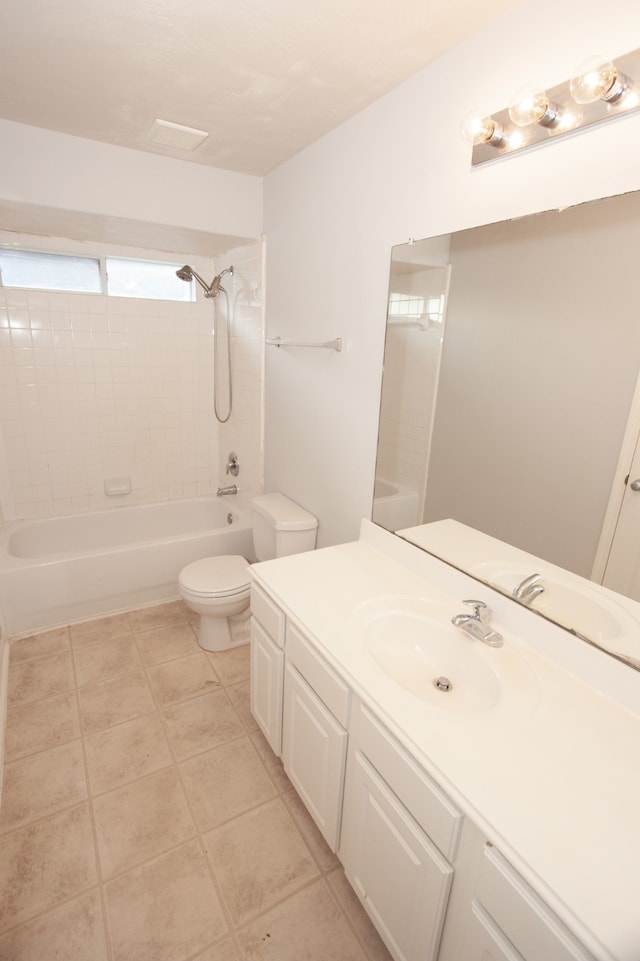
(265, 78)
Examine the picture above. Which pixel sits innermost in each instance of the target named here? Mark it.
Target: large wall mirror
(511, 365)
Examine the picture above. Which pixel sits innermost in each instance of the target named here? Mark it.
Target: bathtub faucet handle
(233, 467)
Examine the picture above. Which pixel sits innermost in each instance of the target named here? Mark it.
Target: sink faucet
(478, 624)
(528, 589)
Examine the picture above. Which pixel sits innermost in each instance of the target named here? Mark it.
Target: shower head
(210, 290)
(188, 273)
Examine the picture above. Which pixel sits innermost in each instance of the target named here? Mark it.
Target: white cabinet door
(484, 941)
(267, 670)
(397, 872)
(314, 748)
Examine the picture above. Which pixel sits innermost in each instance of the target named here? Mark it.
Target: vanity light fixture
(599, 90)
(533, 106)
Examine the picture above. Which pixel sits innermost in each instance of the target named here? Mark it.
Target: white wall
(400, 170)
(103, 185)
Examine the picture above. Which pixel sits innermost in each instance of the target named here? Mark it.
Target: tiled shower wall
(95, 387)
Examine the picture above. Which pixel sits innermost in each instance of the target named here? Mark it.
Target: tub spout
(232, 489)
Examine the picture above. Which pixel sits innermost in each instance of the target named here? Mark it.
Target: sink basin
(413, 641)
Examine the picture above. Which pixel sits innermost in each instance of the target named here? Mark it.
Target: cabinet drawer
(430, 807)
(268, 613)
(329, 687)
(526, 920)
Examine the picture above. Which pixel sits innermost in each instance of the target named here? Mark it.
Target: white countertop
(555, 786)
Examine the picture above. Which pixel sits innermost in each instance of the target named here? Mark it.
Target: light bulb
(476, 129)
(597, 79)
(533, 106)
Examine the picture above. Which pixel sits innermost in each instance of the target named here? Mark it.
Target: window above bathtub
(35, 270)
(113, 276)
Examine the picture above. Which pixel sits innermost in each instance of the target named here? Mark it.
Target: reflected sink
(413, 641)
(581, 607)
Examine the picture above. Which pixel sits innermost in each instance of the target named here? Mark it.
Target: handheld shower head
(188, 273)
(184, 273)
(210, 290)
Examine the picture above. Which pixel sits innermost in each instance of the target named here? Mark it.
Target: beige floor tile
(240, 697)
(160, 615)
(224, 951)
(40, 645)
(102, 629)
(183, 678)
(110, 658)
(324, 856)
(72, 932)
(232, 666)
(117, 699)
(308, 925)
(42, 784)
(166, 643)
(259, 858)
(44, 864)
(43, 677)
(141, 820)
(374, 947)
(225, 782)
(38, 725)
(165, 910)
(272, 763)
(126, 752)
(201, 723)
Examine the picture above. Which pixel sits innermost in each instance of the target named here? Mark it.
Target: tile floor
(144, 817)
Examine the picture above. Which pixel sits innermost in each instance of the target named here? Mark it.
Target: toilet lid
(225, 575)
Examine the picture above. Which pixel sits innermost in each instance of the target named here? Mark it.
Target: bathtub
(63, 569)
(394, 506)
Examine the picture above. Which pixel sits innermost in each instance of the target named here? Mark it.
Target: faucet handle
(480, 610)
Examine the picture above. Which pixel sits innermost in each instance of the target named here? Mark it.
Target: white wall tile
(93, 385)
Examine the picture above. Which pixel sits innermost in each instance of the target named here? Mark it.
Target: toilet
(218, 588)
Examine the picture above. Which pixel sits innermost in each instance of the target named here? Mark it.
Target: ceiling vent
(176, 135)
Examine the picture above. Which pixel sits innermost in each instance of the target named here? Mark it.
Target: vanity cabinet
(399, 832)
(314, 743)
(508, 921)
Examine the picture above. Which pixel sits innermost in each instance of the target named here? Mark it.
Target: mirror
(511, 364)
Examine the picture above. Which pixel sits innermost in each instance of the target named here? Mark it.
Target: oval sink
(581, 606)
(413, 641)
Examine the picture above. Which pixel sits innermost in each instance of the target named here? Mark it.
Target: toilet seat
(224, 576)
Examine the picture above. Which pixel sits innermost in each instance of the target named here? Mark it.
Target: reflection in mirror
(536, 375)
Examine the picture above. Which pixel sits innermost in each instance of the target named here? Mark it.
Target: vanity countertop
(555, 786)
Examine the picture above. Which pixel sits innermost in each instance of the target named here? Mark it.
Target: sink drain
(442, 683)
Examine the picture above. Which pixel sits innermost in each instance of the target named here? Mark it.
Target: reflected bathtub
(394, 506)
(60, 570)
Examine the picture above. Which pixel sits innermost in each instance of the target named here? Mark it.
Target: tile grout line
(94, 833)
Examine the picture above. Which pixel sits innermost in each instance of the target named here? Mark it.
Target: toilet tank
(281, 527)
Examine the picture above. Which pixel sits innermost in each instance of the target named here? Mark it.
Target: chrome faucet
(478, 624)
(528, 589)
(232, 489)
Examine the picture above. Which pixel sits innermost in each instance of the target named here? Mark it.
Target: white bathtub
(64, 569)
(394, 506)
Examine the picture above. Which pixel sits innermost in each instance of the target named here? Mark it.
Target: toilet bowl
(218, 588)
